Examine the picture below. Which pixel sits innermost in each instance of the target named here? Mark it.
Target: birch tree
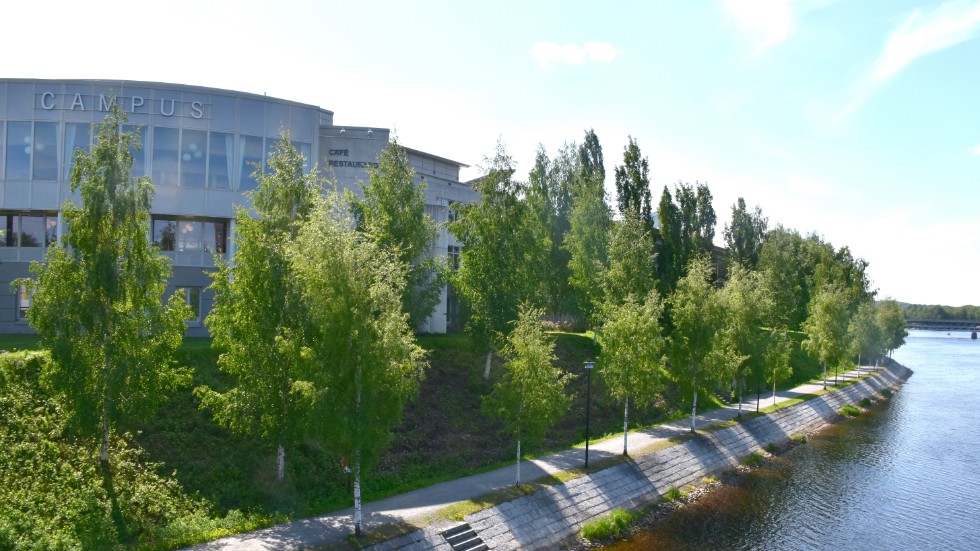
(633, 356)
(530, 397)
(258, 320)
(98, 298)
(505, 250)
(892, 324)
(826, 327)
(697, 360)
(747, 308)
(393, 214)
(864, 333)
(362, 345)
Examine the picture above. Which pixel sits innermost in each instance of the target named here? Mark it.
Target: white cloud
(920, 34)
(976, 150)
(766, 22)
(548, 54)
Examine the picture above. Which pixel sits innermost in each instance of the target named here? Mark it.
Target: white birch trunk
(518, 483)
(626, 417)
(104, 452)
(738, 390)
(694, 411)
(357, 493)
(824, 375)
(486, 367)
(280, 464)
(859, 363)
(773, 389)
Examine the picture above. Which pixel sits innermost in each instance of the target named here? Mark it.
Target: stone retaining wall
(549, 516)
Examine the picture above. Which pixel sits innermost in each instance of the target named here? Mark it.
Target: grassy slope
(443, 434)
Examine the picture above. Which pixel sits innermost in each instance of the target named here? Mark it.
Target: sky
(855, 120)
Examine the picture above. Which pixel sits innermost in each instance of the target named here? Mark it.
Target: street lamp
(588, 406)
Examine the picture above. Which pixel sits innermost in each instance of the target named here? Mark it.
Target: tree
(393, 214)
(633, 356)
(826, 327)
(367, 364)
(697, 360)
(633, 184)
(864, 333)
(258, 319)
(745, 234)
(892, 324)
(590, 220)
(549, 195)
(687, 230)
(504, 253)
(530, 396)
(748, 306)
(777, 365)
(98, 298)
(632, 265)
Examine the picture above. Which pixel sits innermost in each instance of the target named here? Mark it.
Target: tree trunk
(859, 362)
(518, 483)
(104, 452)
(486, 367)
(694, 411)
(626, 417)
(738, 391)
(773, 389)
(824, 375)
(357, 492)
(280, 464)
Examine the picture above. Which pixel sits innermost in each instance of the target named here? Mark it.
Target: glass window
(18, 151)
(32, 231)
(165, 234)
(139, 153)
(190, 236)
(23, 302)
(250, 155)
(192, 297)
(46, 151)
(214, 237)
(50, 230)
(77, 136)
(221, 159)
(193, 158)
(165, 155)
(9, 238)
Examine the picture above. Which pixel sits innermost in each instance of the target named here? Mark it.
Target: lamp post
(588, 406)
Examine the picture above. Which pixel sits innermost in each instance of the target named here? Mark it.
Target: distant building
(199, 145)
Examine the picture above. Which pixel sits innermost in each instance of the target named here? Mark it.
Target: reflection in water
(903, 476)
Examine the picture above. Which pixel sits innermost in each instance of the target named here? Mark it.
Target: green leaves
(530, 396)
(634, 349)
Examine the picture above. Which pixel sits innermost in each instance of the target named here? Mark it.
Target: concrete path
(417, 508)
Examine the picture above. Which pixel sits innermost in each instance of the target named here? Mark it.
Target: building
(199, 145)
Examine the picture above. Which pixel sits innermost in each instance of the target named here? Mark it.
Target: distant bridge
(944, 325)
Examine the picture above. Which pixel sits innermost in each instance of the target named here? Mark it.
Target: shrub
(850, 410)
(799, 438)
(753, 460)
(608, 527)
(673, 494)
(886, 392)
(865, 402)
(772, 447)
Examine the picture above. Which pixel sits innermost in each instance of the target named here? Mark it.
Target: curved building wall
(200, 146)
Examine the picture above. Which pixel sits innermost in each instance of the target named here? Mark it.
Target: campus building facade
(199, 149)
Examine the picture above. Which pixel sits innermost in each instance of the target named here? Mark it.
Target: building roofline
(436, 157)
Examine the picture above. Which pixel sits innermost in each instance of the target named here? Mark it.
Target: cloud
(976, 150)
(548, 54)
(766, 22)
(920, 34)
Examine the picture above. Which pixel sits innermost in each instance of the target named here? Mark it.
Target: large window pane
(165, 234)
(214, 237)
(250, 157)
(9, 237)
(221, 159)
(18, 151)
(193, 158)
(46, 151)
(31, 231)
(77, 136)
(165, 155)
(190, 235)
(139, 154)
(192, 297)
(50, 230)
(305, 150)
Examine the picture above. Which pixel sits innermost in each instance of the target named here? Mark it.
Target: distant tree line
(938, 312)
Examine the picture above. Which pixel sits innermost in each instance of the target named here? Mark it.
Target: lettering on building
(140, 105)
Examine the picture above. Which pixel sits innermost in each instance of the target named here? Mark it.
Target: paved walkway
(418, 507)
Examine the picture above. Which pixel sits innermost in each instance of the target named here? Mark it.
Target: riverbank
(553, 516)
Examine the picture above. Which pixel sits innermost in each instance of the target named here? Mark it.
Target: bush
(886, 392)
(673, 494)
(865, 402)
(799, 438)
(850, 410)
(608, 527)
(753, 460)
(772, 447)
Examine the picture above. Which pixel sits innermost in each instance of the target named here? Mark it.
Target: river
(904, 476)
